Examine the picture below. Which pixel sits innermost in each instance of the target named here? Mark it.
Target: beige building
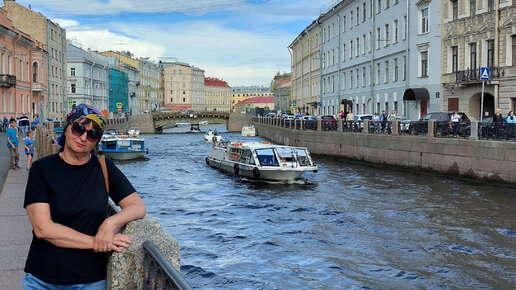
(183, 86)
(478, 34)
(305, 53)
(150, 91)
(242, 96)
(217, 96)
(53, 38)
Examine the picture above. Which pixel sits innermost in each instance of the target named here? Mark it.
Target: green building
(118, 91)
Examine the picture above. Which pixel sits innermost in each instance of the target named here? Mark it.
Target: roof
(258, 100)
(215, 82)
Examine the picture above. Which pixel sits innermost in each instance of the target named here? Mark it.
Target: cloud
(66, 23)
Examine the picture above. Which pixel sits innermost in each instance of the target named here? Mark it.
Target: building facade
(183, 85)
(53, 38)
(150, 91)
(130, 67)
(22, 75)
(478, 34)
(87, 78)
(118, 103)
(281, 88)
(217, 96)
(305, 52)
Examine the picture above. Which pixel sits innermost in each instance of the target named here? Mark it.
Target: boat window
(302, 157)
(137, 144)
(110, 144)
(285, 154)
(246, 157)
(267, 157)
(124, 143)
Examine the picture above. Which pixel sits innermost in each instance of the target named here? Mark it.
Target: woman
(455, 118)
(35, 122)
(66, 202)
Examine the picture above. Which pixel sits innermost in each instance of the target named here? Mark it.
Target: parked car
(362, 117)
(298, 116)
(329, 119)
(443, 124)
(288, 117)
(270, 115)
(404, 123)
(309, 118)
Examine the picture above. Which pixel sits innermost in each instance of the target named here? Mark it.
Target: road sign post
(484, 76)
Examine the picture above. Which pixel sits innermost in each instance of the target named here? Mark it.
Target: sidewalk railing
(432, 128)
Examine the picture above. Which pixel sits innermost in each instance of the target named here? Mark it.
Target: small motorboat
(122, 147)
(264, 161)
(194, 128)
(248, 131)
(203, 123)
(212, 136)
(182, 124)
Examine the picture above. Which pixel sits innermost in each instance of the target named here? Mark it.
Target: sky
(244, 42)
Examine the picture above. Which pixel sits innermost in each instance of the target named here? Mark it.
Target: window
(514, 50)
(351, 19)
(363, 77)
(73, 88)
(378, 6)
(344, 23)
(386, 40)
(363, 12)
(424, 63)
(72, 71)
(472, 7)
(404, 75)
(351, 49)
(490, 53)
(455, 58)
(387, 4)
(490, 5)
(343, 80)
(35, 72)
(395, 74)
(473, 55)
(424, 21)
(363, 43)
(386, 76)
(404, 26)
(358, 47)
(351, 79)
(395, 31)
(344, 52)
(356, 84)
(378, 37)
(358, 15)
(455, 9)
(377, 80)
(370, 41)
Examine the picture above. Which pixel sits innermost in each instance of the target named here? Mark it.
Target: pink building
(23, 75)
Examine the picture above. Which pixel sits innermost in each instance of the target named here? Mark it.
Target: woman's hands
(106, 240)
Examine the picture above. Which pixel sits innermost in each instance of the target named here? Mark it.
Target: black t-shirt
(78, 199)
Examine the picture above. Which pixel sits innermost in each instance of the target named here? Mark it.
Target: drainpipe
(496, 51)
(291, 74)
(373, 49)
(91, 84)
(320, 65)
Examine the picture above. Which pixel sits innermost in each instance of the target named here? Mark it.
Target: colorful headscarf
(82, 111)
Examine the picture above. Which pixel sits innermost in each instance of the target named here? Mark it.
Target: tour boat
(122, 147)
(264, 161)
(212, 136)
(248, 131)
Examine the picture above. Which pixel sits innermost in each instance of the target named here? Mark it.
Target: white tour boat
(122, 147)
(261, 160)
(212, 136)
(248, 131)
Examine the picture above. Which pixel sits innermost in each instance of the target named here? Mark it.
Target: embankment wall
(482, 159)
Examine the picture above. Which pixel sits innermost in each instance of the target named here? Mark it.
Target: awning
(416, 94)
(346, 102)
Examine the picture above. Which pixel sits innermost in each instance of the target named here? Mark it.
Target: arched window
(35, 72)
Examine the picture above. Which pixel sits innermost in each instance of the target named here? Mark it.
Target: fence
(440, 129)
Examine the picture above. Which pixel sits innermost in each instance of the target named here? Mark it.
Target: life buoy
(207, 161)
(256, 172)
(236, 169)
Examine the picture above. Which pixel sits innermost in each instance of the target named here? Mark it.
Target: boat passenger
(66, 198)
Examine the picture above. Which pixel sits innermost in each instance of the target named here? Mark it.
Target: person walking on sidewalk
(66, 201)
(12, 144)
(29, 149)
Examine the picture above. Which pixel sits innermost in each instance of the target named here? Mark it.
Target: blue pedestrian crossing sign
(484, 74)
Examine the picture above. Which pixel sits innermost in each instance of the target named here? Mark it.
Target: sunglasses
(78, 130)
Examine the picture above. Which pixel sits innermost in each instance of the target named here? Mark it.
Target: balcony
(7, 81)
(472, 76)
(38, 87)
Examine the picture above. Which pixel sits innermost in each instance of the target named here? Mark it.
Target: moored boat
(248, 131)
(212, 136)
(264, 161)
(123, 147)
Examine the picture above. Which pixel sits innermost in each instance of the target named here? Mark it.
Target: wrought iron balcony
(473, 75)
(7, 81)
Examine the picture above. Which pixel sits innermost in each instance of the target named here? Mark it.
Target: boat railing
(158, 271)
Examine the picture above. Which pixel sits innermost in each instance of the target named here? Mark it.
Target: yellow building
(217, 95)
(239, 97)
(183, 86)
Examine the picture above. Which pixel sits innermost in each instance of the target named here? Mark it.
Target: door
(423, 109)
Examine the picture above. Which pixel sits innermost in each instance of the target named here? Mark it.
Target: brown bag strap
(102, 161)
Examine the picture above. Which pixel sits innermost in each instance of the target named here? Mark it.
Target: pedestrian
(383, 119)
(5, 124)
(66, 199)
(511, 124)
(24, 125)
(498, 122)
(350, 116)
(35, 122)
(12, 144)
(455, 118)
(29, 148)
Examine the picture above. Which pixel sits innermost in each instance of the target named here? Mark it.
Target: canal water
(347, 226)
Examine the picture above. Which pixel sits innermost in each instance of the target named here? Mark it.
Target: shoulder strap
(102, 161)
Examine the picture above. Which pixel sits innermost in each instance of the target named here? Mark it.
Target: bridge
(170, 119)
